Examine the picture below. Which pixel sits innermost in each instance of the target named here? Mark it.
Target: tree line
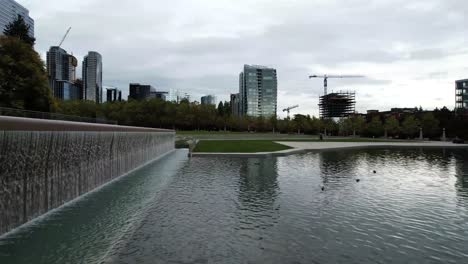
(193, 116)
(24, 85)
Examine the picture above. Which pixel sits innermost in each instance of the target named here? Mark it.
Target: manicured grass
(346, 140)
(222, 135)
(205, 132)
(238, 146)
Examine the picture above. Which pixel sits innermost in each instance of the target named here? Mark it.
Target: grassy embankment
(238, 146)
(244, 142)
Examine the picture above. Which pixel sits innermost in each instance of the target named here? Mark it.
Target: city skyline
(409, 58)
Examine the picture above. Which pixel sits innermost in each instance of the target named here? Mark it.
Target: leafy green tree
(444, 115)
(358, 124)
(220, 109)
(330, 126)
(345, 126)
(300, 123)
(19, 29)
(314, 125)
(227, 108)
(392, 126)
(273, 122)
(375, 127)
(430, 124)
(260, 124)
(410, 126)
(23, 80)
(79, 108)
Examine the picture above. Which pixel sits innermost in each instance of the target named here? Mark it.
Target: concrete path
(302, 147)
(338, 145)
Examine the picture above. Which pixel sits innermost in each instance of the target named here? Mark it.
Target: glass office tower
(9, 11)
(258, 91)
(92, 77)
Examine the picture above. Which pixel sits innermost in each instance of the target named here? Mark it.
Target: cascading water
(42, 170)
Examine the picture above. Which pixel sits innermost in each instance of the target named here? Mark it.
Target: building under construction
(339, 104)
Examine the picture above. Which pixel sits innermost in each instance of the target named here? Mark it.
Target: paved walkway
(301, 147)
(335, 145)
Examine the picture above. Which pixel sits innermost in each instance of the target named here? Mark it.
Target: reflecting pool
(413, 209)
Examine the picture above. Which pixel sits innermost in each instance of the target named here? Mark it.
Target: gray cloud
(201, 47)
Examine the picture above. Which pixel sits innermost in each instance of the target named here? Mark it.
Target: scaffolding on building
(337, 104)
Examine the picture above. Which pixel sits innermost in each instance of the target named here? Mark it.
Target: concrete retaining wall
(42, 170)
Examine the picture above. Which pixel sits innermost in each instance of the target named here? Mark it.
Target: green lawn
(346, 140)
(238, 146)
(221, 135)
(205, 132)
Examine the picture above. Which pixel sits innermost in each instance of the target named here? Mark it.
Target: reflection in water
(337, 164)
(258, 182)
(258, 190)
(272, 210)
(461, 163)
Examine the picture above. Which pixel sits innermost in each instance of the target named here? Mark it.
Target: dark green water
(414, 209)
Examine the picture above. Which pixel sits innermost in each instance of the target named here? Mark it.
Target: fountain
(42, 170)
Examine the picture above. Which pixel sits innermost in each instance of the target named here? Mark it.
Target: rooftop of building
(462, 80)
(254, 66)
(20, 5)
(57, 48)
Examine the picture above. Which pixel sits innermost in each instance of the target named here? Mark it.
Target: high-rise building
(10, 10)
(235, 104)
(208, 100)
(257, 91)
(159, 94)
(61, 71)
(66, 90)
(461, 94)
(144, 92)
(140, 91)
(185, 96)
(113, 95)
(92, 77)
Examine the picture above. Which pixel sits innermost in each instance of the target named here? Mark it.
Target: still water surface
(414, 209)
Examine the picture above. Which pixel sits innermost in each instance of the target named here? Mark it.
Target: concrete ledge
(249, 155)
(303, 147)
(9, 123)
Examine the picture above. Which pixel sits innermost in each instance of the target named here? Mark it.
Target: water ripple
(272, 210)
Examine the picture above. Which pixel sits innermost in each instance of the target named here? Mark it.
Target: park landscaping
(238, 146)
(253, 145)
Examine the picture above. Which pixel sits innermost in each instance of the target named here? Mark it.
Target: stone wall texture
(42, 170)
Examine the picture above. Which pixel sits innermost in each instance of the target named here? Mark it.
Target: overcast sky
(410, 51)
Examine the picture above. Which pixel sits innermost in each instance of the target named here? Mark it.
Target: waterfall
(42, 170)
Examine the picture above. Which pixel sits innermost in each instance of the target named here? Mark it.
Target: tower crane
(290, 108)
(325, 79)
(64, 37)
